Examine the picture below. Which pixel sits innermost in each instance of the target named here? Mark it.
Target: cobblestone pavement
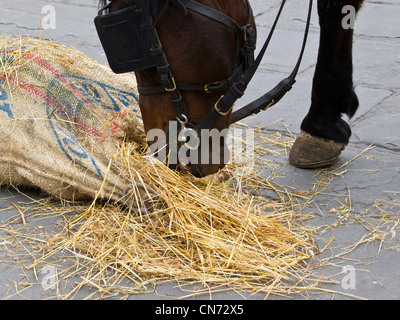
(366, 189)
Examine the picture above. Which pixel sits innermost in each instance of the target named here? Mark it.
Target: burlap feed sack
(61, 115)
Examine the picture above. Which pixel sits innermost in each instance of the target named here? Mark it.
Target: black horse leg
(324, 132)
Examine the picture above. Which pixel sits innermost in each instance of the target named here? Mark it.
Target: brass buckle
(174, 85)
(270, 105)
(222, 114)
(206, 86)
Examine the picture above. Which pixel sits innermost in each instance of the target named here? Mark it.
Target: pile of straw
(202, 231)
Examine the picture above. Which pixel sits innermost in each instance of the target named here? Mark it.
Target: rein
(136, 25)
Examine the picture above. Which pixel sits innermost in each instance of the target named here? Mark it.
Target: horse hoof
(311, 152)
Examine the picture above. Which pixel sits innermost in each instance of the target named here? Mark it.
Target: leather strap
(237, 83)
(212, 87)
(247, 52)
(278, 92)
(225, 104)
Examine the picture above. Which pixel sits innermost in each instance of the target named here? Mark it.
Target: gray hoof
(310, 152)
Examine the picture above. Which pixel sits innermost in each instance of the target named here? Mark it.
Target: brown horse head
(199, 51)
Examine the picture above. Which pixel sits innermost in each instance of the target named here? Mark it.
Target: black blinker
(127, 37)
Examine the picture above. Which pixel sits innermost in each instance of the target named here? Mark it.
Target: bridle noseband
(131, 43)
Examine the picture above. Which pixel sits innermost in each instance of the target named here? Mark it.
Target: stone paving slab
(368, 185)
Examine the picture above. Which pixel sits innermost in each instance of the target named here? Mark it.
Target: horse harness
(131, 43)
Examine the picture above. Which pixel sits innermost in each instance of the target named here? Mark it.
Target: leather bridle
(237, 82)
